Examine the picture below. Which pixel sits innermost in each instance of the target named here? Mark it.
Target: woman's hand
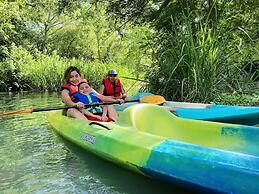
(80, 105)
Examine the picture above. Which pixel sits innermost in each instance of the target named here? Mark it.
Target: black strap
(114, 88)
(99, 124)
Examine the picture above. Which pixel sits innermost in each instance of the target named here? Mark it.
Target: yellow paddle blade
(17, 112)
(155, 99)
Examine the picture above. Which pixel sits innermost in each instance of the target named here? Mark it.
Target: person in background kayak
(112, 86)
(87, 95)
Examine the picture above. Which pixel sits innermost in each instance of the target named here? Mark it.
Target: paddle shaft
(74, 106)
(154, 99)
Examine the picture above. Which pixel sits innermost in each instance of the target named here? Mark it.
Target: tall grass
(42, 72)
(194, 65)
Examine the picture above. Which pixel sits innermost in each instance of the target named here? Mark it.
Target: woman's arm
(123, 92)
(101, 89)
(108, 98)
(122, 95)
(88, 113)
(67, 100)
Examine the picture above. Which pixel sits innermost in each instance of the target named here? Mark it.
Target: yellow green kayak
(149, 140)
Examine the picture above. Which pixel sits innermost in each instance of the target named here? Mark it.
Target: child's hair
(68, 71)
(82, 82)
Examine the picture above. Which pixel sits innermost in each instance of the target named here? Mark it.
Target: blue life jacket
(89, 99)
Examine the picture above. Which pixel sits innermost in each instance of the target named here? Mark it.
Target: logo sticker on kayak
(88, 138)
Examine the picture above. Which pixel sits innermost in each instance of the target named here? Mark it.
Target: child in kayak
(87, 95)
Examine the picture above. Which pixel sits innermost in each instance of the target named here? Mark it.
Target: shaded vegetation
(187, 50)
(201, 48)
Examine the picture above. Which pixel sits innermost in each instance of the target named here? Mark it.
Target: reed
(193, 63)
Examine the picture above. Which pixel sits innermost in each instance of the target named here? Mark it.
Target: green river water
(34, 159)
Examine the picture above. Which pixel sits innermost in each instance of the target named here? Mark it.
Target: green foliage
(47, 17)
(11, 78)
(200, 48)
(237, 99)
(42, 72)
(40, 39)
(12, 27)
(189, 50)
(196, 60)
(195, 67)
(190, 66)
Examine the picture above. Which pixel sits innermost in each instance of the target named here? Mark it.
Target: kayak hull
(197, 153)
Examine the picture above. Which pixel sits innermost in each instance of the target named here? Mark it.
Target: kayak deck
(153, 142)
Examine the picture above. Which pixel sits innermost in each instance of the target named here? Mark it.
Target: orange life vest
(112, 89)
(71, 88)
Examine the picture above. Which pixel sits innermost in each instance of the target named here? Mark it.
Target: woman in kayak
(87, 95)
(72, 77)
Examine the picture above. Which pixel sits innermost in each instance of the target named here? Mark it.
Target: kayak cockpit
(160, 122)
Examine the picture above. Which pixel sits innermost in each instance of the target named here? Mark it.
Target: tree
(13, 29)
(191, 39)
(46, 18)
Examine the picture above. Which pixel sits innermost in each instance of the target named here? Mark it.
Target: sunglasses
(112, 75)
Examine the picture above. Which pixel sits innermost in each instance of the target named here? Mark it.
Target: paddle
(155, 99)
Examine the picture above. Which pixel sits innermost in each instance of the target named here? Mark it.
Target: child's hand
(80, 105)
(104, 118)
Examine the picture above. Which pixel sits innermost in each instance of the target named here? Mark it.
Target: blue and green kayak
(221, 113)
(151, 141)
(245, 115)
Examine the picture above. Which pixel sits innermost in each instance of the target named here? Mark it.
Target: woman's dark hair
(68, 71)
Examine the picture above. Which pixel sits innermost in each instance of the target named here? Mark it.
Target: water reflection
(114, 177)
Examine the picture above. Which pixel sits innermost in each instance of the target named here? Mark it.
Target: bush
(238, 99)
(42, 72)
